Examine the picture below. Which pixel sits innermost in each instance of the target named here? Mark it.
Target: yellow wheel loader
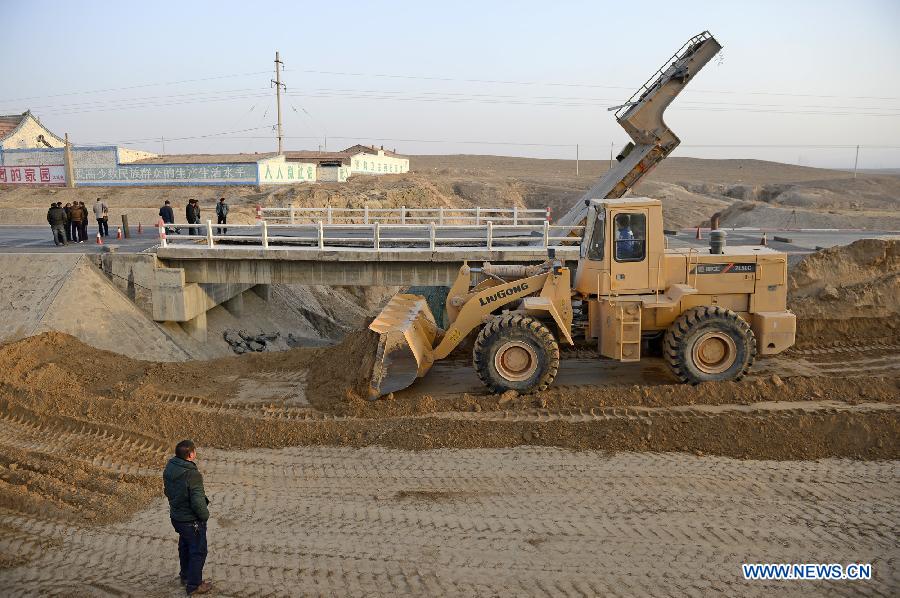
(713, 310)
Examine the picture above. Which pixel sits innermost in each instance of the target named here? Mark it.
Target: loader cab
(622, 247)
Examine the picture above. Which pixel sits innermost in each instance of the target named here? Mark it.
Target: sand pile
(339, 380)
(848, 291)
(67, 293)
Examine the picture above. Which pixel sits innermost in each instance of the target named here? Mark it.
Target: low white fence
(376, 236)
(404, 215)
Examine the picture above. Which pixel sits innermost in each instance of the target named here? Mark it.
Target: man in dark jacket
(82, 233)
(222, 215)
(188, 512)
(168, 216)
(56, 217)
(75, 222)
(192, 215)
(67, 209)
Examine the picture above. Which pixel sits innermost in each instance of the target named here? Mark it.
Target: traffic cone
(764, 242)
(118, 232)
(140, 228)
(699, 236)
(99, 239)
(258, 212)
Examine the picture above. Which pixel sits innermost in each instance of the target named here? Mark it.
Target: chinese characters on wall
(54, 174)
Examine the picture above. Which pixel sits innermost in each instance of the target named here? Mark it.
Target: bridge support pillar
(264, 291)
(235, 305)
(196, 327)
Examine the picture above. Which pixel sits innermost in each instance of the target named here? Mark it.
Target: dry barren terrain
(747, 192)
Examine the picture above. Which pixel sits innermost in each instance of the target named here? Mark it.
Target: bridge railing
(376, 236)
(403, 215)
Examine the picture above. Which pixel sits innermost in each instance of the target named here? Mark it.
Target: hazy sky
(512, 78)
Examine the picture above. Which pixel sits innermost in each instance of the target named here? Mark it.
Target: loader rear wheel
(709, 343)
(516, 352)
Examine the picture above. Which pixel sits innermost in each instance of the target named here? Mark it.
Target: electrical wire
(143, 85)
(585, 85)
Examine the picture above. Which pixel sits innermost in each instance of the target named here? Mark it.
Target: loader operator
(627, 248)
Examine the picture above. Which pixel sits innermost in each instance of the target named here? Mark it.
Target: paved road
(801, 241)
(36, 238)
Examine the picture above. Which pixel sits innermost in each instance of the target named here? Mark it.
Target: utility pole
(856, 162)
(576, 159)
(612, 144)
(163, 141)
(278, 85)
(70, 166)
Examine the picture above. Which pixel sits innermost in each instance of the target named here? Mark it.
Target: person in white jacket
(101, 213)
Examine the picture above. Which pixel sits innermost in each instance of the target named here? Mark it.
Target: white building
(366, 159)
(24, 131)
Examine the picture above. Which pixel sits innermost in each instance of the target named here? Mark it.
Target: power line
(586, 85)
(443, 79)
(431, 97)
(141, 105)
(571, 145)
(205, 136)
(381, 96)
(115, 101)
(110, 89)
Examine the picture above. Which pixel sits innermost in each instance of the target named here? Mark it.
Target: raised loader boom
(642, 118)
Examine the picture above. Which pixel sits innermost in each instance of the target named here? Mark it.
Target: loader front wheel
(516, 352)
(709, 343)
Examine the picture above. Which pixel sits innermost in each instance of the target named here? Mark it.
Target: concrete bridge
(181, 282)
(340, 266)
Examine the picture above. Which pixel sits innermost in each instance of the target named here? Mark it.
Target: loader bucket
(406, 330)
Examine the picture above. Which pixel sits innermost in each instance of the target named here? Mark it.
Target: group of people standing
(192, 215)
(69, 223)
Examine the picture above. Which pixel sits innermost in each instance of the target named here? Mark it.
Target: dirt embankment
(848, 292)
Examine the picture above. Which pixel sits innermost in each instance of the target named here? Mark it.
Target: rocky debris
(829, 293)
(242, 341)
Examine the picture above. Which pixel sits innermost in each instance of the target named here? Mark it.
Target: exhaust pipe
(717, 242)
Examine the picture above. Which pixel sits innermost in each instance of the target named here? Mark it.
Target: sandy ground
(509, 522)
(615, 481)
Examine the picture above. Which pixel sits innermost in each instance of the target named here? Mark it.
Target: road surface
(37, 238)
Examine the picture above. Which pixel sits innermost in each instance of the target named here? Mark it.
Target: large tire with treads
(709, 343)
(516, 352)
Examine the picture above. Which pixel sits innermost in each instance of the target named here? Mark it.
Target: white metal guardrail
(376, 236)
(403, 215)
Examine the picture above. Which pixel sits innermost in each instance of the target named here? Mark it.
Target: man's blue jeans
(191, 551)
